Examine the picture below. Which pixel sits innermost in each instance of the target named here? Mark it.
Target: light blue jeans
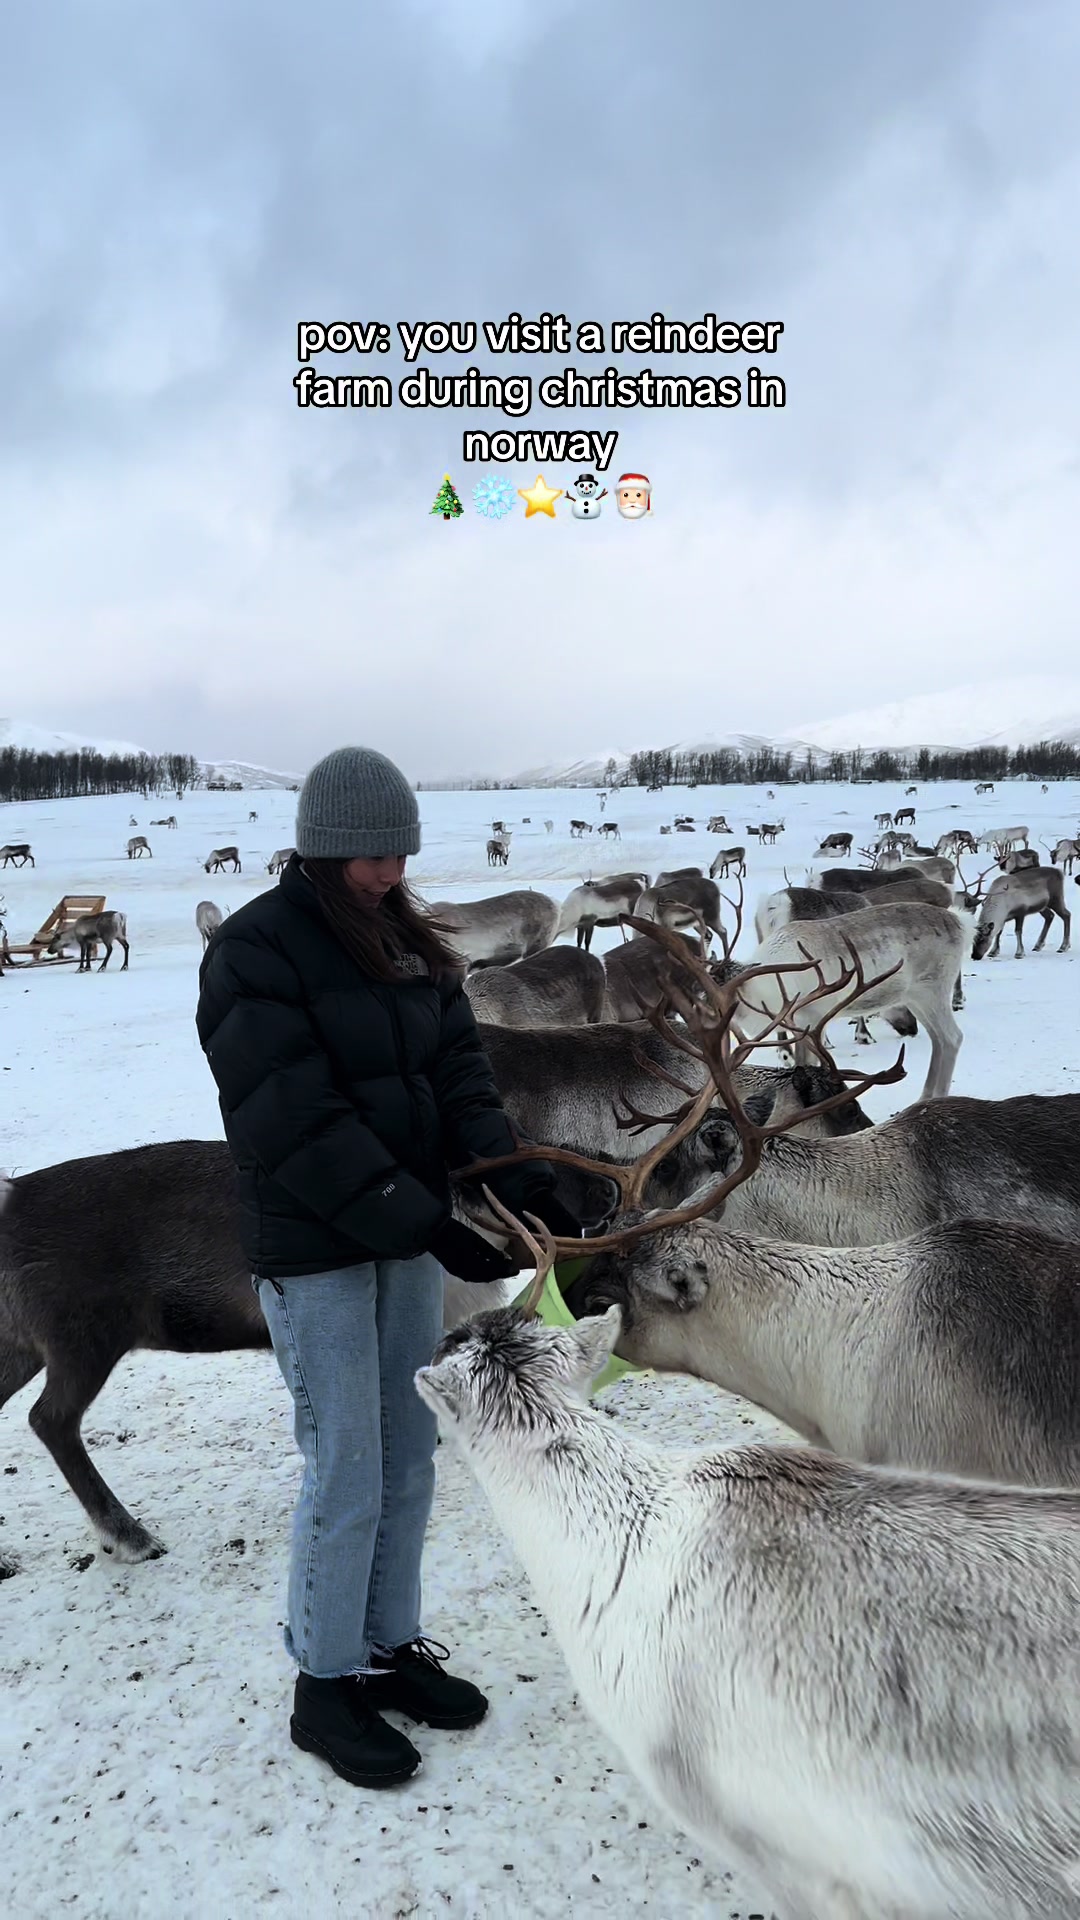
(348, 1344)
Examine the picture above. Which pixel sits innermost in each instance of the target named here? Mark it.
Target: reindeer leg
(958, 993)
(1066, 918)
(124, 944)
(1048, 921)
(946, 1039)
(74, 1378)
(863, 1036)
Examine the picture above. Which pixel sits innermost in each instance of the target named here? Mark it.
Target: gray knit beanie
(355, 804)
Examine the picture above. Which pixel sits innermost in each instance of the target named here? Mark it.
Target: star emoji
(540, 499)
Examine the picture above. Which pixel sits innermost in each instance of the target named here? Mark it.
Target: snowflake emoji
(493, 497)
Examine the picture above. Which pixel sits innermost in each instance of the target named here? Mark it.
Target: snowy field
(145, 1765)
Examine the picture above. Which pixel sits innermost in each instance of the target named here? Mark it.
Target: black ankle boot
(338, 1720)
(414, 1683)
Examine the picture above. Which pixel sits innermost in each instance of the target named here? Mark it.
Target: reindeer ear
(758, 1108)
(439, 1389)
(596, 1339)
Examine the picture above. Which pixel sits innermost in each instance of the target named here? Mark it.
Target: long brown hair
(378, 937)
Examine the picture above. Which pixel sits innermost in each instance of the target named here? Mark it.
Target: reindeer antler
(709, 1008)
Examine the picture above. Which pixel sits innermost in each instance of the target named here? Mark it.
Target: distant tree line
(26, 775)
(768, 766)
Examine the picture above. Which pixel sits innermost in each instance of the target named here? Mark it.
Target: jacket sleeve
(279, 1097)
(474, 1120)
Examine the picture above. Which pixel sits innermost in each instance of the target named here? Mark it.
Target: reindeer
(904, 814)
(1065, 853)
(727, 858)
(280, 859)
(559, 987)
(957, 840)
(252, 817)
(1012, 897)
(769, 832)
(671, 1581)
(775, 910)
(917, 884)
(754, 832)
(579, 827)
(549, 826)
(665, 829)
(218, 858)
(984, 786)
(685, 826)
(600, 903)
(137, 846)
(1007, 837)
(718, 824)
(685, 902)
(944, 1316)
(86, 932)
(910, 790)
(883, 820)
(925, 942)
(17, 853)
(132, 822)
(498, 826)
(498, 853)
(610, 830)
(1013, 862)
(836, 843)
(169, 821)
(208, 918)
(141, 1249)
(506, 927)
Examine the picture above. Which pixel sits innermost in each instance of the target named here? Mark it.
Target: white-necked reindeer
(280, 859)
(916, 950)
(137, 846)
(863, 1686)
(208, 918)
(1011, 898)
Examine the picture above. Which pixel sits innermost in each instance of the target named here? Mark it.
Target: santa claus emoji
(633, 495)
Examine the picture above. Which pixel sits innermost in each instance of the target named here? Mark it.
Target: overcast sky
(191, 561)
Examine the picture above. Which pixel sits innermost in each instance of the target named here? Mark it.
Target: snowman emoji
(583, 497)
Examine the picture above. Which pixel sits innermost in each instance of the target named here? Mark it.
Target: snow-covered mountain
(33, 739)
(248, 775)
(23, 734)
(1014, 712)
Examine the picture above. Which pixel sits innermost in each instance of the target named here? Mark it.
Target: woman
(351, 1076)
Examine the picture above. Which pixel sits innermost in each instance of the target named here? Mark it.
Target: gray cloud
(193, 561)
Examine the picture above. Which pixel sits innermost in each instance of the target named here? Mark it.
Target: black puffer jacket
(345, 1098)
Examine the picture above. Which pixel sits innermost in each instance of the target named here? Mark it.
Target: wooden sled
(61, 919)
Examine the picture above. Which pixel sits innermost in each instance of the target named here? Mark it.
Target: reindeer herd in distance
(905, 1297)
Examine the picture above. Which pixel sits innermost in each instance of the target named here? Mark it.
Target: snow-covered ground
(144, 1755)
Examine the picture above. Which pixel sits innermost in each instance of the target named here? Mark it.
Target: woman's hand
(468, 1255)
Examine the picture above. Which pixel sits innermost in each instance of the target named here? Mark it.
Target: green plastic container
(554, 1312)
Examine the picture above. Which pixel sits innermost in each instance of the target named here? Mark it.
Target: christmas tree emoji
(447, 502)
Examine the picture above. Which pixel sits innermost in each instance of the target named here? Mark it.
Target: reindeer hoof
(135, 1548)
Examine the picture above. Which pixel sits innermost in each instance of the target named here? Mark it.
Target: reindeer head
(494, 1372)
(507, 1372)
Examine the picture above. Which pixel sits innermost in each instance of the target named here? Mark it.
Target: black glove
(468, 1255)
(557, 1218)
